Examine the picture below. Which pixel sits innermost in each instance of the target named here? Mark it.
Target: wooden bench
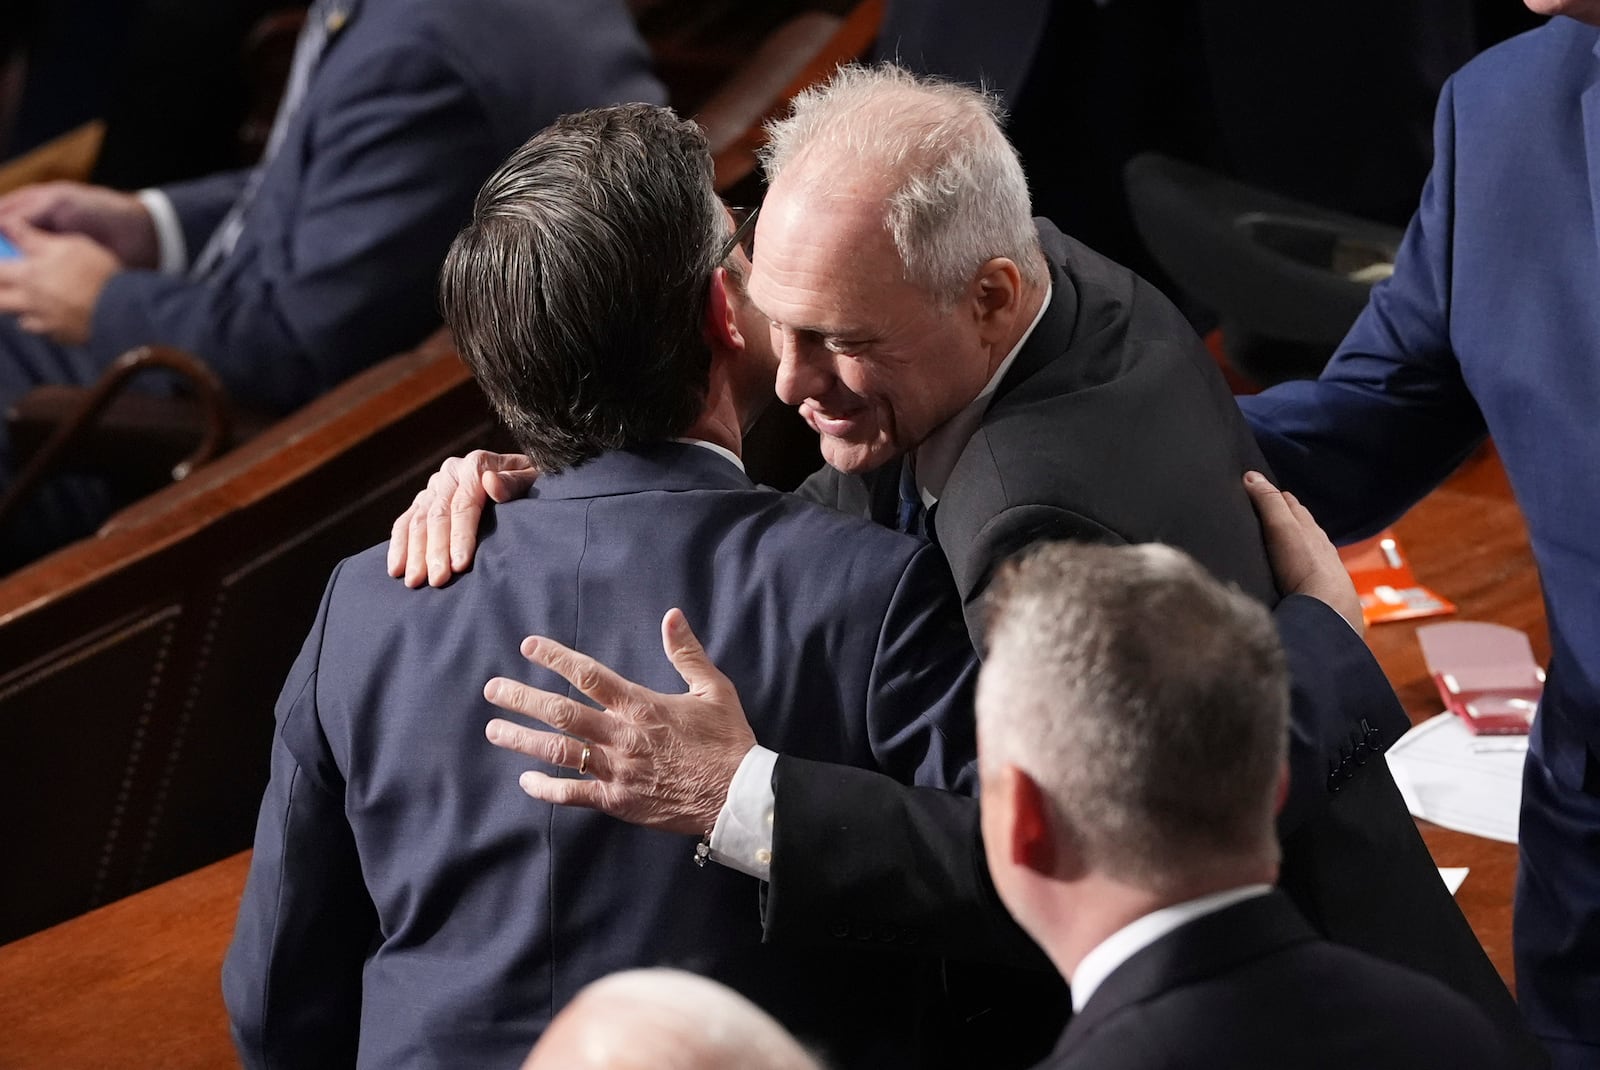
(138, 669)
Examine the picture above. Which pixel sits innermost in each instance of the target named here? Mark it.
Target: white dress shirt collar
(721, 451)
(1116, 949)
(934, 460)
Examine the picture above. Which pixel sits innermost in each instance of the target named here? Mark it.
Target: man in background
(1131, 716)
(288, 277)
(1489, 327)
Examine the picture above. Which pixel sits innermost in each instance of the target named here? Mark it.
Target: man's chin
(856, 458)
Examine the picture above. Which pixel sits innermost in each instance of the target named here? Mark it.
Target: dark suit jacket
(413, 104)
(1252, 986)
(1113, 425)
(403, 883)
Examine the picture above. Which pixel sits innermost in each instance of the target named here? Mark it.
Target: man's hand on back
(661, 761)
(1303, 559)
(436, 537)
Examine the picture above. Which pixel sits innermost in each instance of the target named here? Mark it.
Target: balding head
(665, 1020)
(948, 186)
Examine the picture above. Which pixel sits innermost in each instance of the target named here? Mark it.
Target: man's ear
(1033, 842)
(722, 329)
(997, 295)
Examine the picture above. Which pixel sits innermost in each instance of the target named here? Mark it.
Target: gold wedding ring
(583, 760)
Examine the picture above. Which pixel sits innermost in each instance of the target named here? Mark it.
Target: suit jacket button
(840, 929)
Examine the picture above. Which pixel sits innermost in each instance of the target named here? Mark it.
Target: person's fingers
(581, 671)
(441, 489)
(29, 239)
(1269, 502)
(417, 543)
(503, 476)
(565, 791)
(688, 657)
(557, 711)
(466, 512)
(400, 540)
(553, 748)
(509, 486)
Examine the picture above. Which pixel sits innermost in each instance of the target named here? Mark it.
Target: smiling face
(873, 363)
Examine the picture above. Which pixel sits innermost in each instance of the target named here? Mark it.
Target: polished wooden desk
(136, 983)
(1467, 541)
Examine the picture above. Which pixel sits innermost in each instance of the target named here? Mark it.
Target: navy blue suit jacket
(1489, 325)
(404, 884)
(1252, 986)
(413, 104)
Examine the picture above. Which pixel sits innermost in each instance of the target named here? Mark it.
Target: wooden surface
(1467, 542)
(135, 984)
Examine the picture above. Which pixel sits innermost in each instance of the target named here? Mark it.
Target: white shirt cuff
(742, 836)
(173, 258)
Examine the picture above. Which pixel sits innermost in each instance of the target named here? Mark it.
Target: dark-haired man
(405, 906)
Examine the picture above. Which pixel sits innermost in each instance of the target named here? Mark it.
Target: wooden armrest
(72, 155)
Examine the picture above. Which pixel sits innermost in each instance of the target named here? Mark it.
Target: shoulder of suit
(1531, 58)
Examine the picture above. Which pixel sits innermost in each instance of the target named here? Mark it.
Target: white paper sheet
(1453, 778)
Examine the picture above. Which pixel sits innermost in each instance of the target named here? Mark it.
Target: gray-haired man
(1131, 716)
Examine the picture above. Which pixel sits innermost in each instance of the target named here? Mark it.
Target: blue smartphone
(7, 250)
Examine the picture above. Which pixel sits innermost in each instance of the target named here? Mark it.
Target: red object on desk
(1485, 673)
(1383, 578)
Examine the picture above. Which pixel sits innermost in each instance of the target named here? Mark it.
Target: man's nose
(801, 374)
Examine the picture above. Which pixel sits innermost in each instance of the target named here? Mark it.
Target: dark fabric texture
(1252, 986)
(1113, 425)
(398, 867)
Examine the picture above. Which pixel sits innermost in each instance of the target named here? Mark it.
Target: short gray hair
(958, 196)
(1148, 701)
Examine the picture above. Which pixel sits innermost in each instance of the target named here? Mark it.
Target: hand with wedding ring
(661, 761)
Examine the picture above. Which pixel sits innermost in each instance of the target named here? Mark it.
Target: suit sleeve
(1342, 709)
(395, 156)
(201, 204)
(919, 700)
(1391, 416)
(872, 859)
(292, 976)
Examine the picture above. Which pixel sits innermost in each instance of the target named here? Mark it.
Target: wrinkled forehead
(822, 248)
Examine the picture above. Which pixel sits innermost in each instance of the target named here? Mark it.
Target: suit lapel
(1205, 947)
(1050, 338)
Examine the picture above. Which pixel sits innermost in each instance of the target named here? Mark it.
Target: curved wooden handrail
(213, 399)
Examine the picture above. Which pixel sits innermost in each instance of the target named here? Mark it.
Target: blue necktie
(323, 20)
(911, 517)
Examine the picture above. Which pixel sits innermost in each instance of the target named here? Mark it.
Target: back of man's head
(1148, 702)
(665, 1020)
(953, 187)
(577, 293)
